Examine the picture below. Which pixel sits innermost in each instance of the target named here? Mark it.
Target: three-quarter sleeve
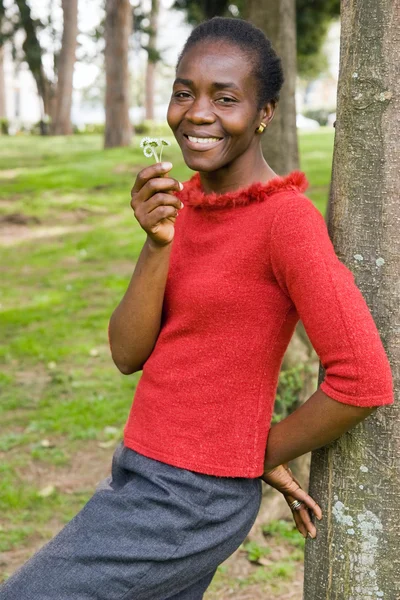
(334, 313)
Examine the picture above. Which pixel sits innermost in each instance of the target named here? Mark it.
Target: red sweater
(245, 266)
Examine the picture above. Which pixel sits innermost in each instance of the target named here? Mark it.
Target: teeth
(202, 140)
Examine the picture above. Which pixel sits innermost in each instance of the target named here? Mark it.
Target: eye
(226, 100)
(182, 95)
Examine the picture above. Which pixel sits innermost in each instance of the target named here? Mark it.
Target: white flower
(148, 151)
(151, 146)
(144, 142)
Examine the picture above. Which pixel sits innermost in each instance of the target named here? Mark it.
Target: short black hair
(267, 66)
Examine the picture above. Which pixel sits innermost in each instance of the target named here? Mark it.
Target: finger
(302, 515)
(305, 518)
(297, 517)
(157, 170)
(318, 515)
(302, 496)
(303, 521)
(162, 199)
(158, 214)
(299, 523)
(159, 184)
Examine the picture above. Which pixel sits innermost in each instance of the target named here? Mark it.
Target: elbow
(126, 368)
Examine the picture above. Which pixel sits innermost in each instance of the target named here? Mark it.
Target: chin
(205, 165)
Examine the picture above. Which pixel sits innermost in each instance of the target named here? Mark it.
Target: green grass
(57, 293)
(272, 564)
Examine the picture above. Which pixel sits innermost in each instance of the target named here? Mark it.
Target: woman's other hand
(282, 479)
(155, 207)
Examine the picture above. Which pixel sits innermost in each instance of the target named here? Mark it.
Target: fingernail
(167, 166)
(182, 205)
(310, 535)
(180, 186)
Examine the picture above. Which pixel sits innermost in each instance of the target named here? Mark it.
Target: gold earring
(261, 128)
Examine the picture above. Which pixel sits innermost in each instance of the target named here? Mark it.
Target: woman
(208, 314)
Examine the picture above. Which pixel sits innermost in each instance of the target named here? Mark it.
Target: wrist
(271, 461)
(155, 247)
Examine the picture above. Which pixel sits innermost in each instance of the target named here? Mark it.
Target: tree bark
(277, 18)
(118, 28)
(151, 60)
(356, 478)
(65, 69)
(33, 55)
(3, 113)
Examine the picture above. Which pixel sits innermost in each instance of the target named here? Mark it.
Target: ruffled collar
(193, 194)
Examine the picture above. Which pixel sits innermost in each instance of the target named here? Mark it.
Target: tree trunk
(3, 112)
(152, 59)
(118, 28)
(277, 18)
(356, 478)
(33, 56)
(65, 69)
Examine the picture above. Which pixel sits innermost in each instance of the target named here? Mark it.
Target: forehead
(217, 61)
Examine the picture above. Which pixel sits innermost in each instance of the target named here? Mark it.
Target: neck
(239, 174)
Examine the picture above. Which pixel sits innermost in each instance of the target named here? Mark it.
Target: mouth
(201, 144)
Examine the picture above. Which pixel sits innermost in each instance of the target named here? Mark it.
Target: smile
(201, 144)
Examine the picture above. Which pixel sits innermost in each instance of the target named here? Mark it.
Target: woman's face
(213, 108)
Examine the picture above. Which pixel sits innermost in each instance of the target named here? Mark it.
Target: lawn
(68, 243)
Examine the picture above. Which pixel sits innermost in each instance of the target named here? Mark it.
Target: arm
(341, 329)
(135, 323)
(316, 423)
(335, 316)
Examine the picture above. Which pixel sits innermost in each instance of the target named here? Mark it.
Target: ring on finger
(296, 505)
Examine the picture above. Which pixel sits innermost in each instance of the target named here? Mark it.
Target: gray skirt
(151, 532)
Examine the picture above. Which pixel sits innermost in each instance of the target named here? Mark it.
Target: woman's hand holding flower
(155, 207)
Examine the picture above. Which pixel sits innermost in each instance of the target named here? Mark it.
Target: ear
(268, 112)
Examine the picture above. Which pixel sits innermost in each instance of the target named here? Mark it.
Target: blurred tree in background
(3, 39)
(118, 29)
(65, 69)
(278, 21)
(152, 58)
(297, 30)
(55, 91)
(312, 22)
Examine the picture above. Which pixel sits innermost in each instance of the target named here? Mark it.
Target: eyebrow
(219, 85)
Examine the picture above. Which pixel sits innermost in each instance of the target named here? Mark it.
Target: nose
(200, 111)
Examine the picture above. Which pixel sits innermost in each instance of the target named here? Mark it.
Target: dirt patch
(124, 168)
(12, 235)
(36, 378)
(18, 219)
(238, 569)
(87, 467)
(10, 173)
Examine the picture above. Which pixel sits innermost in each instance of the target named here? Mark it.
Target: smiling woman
(227, 83)
(208, 314)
